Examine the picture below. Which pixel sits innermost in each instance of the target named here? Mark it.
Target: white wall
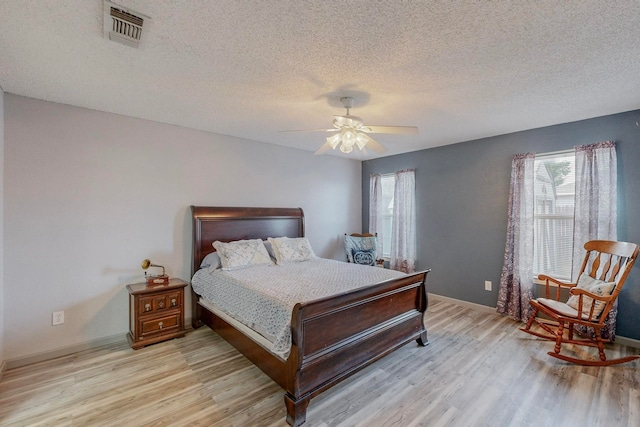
(2, 300)
(88, 195)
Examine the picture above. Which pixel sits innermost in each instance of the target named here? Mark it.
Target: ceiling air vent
(123, 25)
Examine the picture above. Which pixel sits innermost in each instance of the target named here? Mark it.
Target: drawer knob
(147, 307)
(174, 302)
(160, 325)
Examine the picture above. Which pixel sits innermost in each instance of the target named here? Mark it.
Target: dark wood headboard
(227, 224)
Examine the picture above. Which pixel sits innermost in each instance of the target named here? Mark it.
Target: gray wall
(462, 193)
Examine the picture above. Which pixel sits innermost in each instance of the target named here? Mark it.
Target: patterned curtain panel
(403, 236)
(596, 190)
(375, 211)
(516, 281)
(595, 207)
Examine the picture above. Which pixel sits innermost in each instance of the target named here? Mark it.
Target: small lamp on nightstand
(154, 279)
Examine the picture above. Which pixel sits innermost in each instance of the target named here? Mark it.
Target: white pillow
(211, 261)
(242, 254)
(594, 286)
(291, 249)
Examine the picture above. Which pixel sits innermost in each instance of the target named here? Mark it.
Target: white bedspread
(263, 297)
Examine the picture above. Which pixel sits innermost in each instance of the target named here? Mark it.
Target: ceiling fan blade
(375, 146)
(397, 130)
(325, 147)
(308, 130)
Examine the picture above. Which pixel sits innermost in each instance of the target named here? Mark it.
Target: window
(388, 184)
(554, 194)
(392, 215)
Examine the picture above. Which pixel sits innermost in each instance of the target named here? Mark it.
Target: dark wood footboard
(334, 337)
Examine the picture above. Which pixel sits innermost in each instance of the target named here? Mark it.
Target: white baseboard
(65, 351)
(480, 307)
(630, 342)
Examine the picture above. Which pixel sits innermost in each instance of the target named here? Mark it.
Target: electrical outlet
(487, 285)
(57, 318)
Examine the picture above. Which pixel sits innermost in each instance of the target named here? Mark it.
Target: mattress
(262, 297)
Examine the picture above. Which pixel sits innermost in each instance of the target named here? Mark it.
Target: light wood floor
(478, 370)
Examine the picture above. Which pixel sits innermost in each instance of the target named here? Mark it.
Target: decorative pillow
(594, 286)
(364, 256)
(291, 249)
(242, 254)
(211, 261)
(267, 244)
(356, 243)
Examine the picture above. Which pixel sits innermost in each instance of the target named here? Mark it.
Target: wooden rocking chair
(604, 271)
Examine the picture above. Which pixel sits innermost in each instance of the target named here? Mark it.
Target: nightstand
(156, 313)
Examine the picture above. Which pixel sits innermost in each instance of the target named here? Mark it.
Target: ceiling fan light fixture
(351, 131)
(362, 140)
(346, 149)
(334, 140)
(348, 136)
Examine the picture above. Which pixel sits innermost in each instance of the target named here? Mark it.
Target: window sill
(537, 281)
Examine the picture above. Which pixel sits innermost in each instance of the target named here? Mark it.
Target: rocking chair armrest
(558, 282)
(581, 291)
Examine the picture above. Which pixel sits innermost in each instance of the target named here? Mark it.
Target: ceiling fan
(351, 131)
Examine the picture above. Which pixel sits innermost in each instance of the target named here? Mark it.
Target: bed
(332, 337)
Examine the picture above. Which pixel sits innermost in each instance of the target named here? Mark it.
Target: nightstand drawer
(159, 324)
(161, 302)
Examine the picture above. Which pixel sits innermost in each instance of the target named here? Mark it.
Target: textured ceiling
(459, 70)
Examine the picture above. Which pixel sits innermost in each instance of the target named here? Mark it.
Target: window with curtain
(392, 217)
(539, 225)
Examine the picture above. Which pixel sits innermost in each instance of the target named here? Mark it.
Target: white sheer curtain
(375, 210)
(403, 236)
(516, 280)
(595, 207)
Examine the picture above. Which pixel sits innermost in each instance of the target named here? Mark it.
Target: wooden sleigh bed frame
(332, 337)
